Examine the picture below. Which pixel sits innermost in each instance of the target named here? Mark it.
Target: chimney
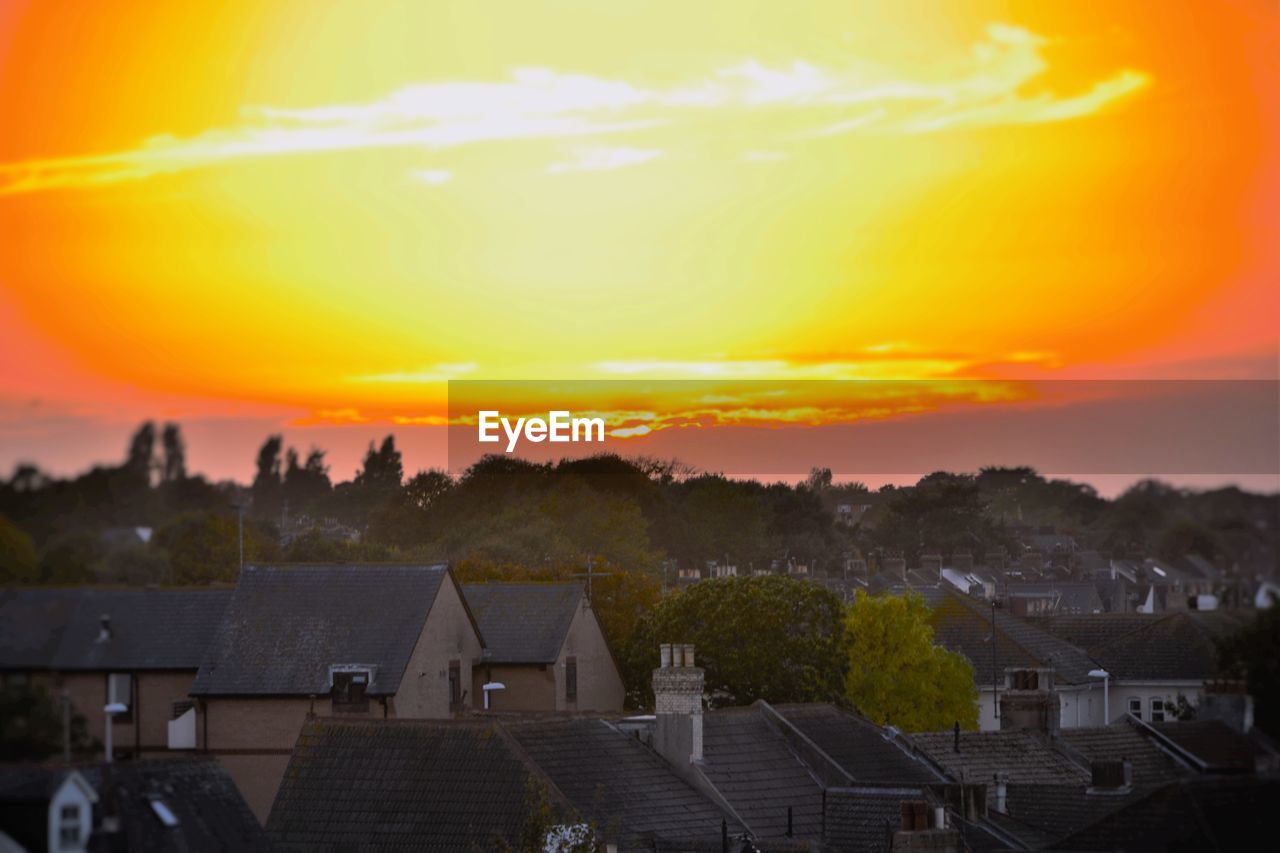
(1002, 793)
(677, 700)
(104, 632)
(1029, 702)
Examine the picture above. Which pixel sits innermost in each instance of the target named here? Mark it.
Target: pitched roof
(210, 812)
(963, 624)
(1024, 756)
(1174, 646)
(861, 748)
(1211, 744)
(31, 625)
(523, 622)
(755, 770)
(286, 625)
(1151, 764)
(1040, 814)
(1211, 814)
(616, 782)
(402, 784)
(150, 628)
(865, 818)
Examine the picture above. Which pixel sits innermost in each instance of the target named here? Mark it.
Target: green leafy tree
(897, 675)
(1254, 655)
(18, 562)
(204, 547)
(31, 726)
(69, 558)
(768, 637)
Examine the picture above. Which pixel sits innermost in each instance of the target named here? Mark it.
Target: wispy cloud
(434, 373)
(981, 87)
(604, 159)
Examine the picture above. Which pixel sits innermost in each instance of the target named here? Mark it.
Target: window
(1157, 710)
(1135, 707)
(455, 685)
(571, 679)
(181, 707)
(120, 690)
(69, 827)
(349, 691)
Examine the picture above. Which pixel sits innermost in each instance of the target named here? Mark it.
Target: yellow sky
(332, 208)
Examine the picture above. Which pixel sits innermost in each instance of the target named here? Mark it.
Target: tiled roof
(1025, 756)
(150, 628)
(865, 818)
(1218, 747)
(211, 814)
(753, 768)
(523, 622)
(616, 782)
(403, 785)
(963, 624)
(1210, 814)
(1175, 646)
(1151, 764)
(1042, 813)
(1069, 597)
(31, 625)
(860, 748)
(286, 625)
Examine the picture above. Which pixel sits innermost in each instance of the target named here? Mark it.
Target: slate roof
(1151, 764)
(32, 621)
(1215, 746)
(212, 815)
(286, 625)
(616, 782)
(523, 622)
(753, 768)
(150, 628)
(402, 785)
(963, 624)
(1025, 756)
(1212, 814)
(864, 818)
(1041, 814)
(860, 748)
(1144, 647)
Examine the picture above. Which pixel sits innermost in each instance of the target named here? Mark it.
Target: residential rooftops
(523, 622)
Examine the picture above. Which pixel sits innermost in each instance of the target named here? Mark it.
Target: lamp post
(1106, 693)
(111, 711)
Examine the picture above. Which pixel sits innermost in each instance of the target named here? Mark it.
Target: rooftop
(524, 622)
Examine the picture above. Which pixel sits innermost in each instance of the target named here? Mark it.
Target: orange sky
(265, 215)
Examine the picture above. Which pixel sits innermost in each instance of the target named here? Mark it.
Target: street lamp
(1106, 693)
(111, 711)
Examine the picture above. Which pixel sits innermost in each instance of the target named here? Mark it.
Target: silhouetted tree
(174, 469)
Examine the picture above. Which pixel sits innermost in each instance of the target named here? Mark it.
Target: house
(139, 648)
(43, 809)
(997, 643)
(487, 783)
(150, 806)
(1156, 662)
(544, 644)
(1046, 598)
(355, 641)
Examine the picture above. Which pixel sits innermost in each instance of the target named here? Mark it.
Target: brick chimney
(1029, 701)
(677, 700)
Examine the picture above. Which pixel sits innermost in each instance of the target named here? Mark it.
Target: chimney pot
(688, 655)
(665, 650)
(1002, 793)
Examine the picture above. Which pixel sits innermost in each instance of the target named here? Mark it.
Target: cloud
(985, 86)
(604, 159)
(435, 373)
(434, 177)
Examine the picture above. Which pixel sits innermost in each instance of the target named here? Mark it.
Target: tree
(897, 675)
(31, 726)
(1253, 654)
(174, 467)
(18, 563)
(204, 546)
(266, 480)
(307, 484)
(763, 637)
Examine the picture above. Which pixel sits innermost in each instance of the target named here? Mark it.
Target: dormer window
(350, 689)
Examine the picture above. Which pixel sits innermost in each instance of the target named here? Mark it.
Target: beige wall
(537, 687)
(448, 635)
(153, 698)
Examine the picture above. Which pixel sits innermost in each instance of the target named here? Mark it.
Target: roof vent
(104, 631)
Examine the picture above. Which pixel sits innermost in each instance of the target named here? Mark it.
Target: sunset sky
(306, 217)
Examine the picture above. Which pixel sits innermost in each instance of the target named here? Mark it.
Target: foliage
(1253, 654)
(18, 563)
(767, 637)
(31, 726)
(205, 547)
(897, 675)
